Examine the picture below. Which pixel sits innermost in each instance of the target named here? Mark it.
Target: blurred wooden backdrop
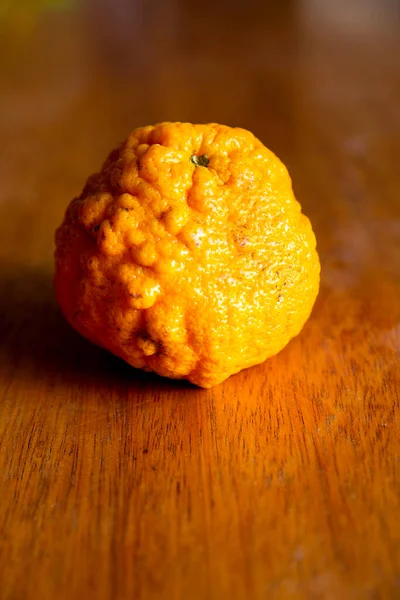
(283, 482)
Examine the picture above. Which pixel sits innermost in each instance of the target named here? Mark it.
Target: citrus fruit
(188, 254)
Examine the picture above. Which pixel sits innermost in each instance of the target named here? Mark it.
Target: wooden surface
(283, 482)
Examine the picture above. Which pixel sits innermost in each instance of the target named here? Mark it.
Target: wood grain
(283, 482)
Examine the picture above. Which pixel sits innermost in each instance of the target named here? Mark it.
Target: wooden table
(283, 482)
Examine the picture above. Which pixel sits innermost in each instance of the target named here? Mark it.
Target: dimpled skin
(188, 254)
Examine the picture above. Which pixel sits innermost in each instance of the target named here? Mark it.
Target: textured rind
(190, 271)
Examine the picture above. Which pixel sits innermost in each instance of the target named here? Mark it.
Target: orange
(188, 254)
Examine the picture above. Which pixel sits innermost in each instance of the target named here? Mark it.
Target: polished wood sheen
(284, 481)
